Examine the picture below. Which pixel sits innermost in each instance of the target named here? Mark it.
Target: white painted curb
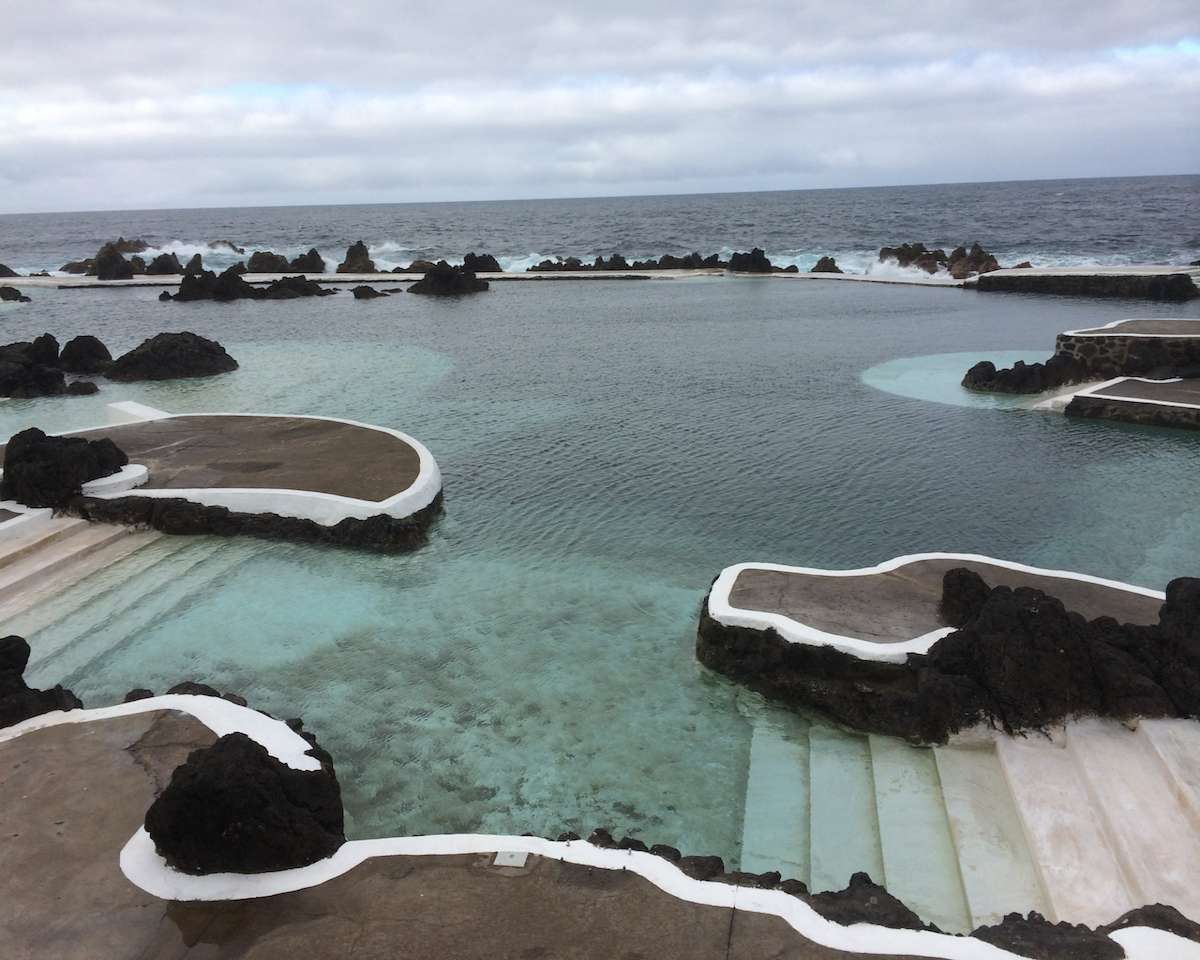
(1096, 391)
(1113, 332)
(793, 631)
(127, 478)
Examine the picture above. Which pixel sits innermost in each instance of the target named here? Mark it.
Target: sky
(119, 105)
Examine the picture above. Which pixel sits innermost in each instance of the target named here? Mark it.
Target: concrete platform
(890, 610)
(1150, 282)
(1186, 328)
(1158, 403)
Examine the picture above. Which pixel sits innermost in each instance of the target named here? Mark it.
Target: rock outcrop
(24, 372)
(121, 245)
(963, 263)
(226, 245)
(358, 260)
(481, 263)
(207, 285)
(168, 356)
(364, 292)
(1060, 370)
(7, 273)
(417, 266)
(12, 295)
(753, 262)
(311, 262)
(44, 350)
(233, 808)
(79, 267)
(1036, 937)
(447, 281)
(194, 266)
(826, 265)
(915, 255)
(19, 701)
(111, 265)
(290, 288)
(165, 264)
(44, 471)
(1021, 662)
(264, 261)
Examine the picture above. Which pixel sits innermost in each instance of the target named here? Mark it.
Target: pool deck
(890, 610)
(1158, 327)
(82, 882)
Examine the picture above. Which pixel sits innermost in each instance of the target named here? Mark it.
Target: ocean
(1048, 222)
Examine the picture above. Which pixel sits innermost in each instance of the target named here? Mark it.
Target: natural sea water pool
(607, 448)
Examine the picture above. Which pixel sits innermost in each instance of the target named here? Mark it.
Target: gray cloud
(366, 102)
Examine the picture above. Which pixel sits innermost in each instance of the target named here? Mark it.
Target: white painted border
(1099, 331)
(1094, 391)
(793, 631)
(145, 869)
(326, 509)
(127, 478)
(27, 519)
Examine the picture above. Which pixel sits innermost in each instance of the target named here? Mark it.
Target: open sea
(607, 448)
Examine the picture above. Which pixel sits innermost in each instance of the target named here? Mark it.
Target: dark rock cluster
(85, 354)
(363, 292)
(12, 295)
(233, 808)
(7, 273)
(230, 285)
(1019, 660)
(35, 369)
(1060, 370)
(358, 260)
(111, 265)
(753, 262)
(264, 261)
(481, 263)
(960, 263)
(826, 265)
(447, 281)
(19, 701)
(168, 356)
(45, 471)
(165, 264)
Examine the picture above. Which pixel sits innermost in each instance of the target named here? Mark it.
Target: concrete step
(22, 545)
(918, 852)
(33, 568)
(997, 870)
(1074, 856)
(775, 818)
(1177, 743)
(1152, 833)
(843, 824)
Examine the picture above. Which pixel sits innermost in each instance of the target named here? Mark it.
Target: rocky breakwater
(170, 356)
(45, 471)
(19, 701)
(230, 285)
(960, 263)
(447, 281)
(1166, 286)
(1018, 659)
(826, 265)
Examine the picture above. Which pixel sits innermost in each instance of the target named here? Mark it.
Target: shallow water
(607, 449)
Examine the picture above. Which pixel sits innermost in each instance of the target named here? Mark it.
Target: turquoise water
(607, 449)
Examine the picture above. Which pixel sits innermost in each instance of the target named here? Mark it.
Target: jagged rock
(1160, 916)
(44, 350)
(1023, 265)
(447, 281)
(171, 355)
(137, 265)
(81, 388)
(121, 245)
(238, 269)
(44, 471)
(79, 267)
(666, 851)
(826, 265)
(23, 378)
(85, 354)
(615, 262)
(164, 297)
(358, 260)
(12, 295)
(915, 255)
(7, 272)
(194, 689)
(165, 264)
(864, 901)
(233, 808)
(1035, 936)
(753, 262)
(964, 593)
(1060, 370)
(264, 261)
(311, 262)
(481, 263)
(364, 292)
(963, 263)
(194, 266)
(223, 288)
(417, 266)
(289, 288)
(18, 701)
(110, 265)
(226, 245)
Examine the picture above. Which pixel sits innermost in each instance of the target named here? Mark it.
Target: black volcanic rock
(753, 262)
(615, 262)
(1060, 370)
(23, 378)
(226, 245)
(44, 471)
(963, 263)
(1035, 936)
(364, 292)
(481, 263)
(264, 261)
(417, 266)
(171, 355)
(358, 260)
(165, 264)
(18, 701)
(311, 262)
(225, 287)
(964, 593)
(915, 255)
(826, 265)
(81, 388)
(233, 808)
(121, 245)
(44, 350)
(12, 295)
(79, 267)
(864, 901)
(290, 288)
(447, 281)
(195, 265)
(137, 265)
(550, 266)
(7, 272)
(110, 265)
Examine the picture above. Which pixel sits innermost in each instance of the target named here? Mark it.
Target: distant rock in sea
(447, 281)
(481, 263)
(264, 261)
(358, 260)
(7, 272)
(963, 263)
(311, 262)
(229, 285)
(110, 265)
(121, 245)
(960, 263)
(826, 265)
(226, 245)
(13, 295)
(78, 267)
(753, 262)
(417, 266)
(364, 292)
(165, 264)
(195, 265)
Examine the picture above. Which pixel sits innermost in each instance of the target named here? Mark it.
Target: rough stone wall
(1174, 287)
(1130, 356)
(1149, 414)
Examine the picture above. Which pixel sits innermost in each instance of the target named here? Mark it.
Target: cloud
(360, 103)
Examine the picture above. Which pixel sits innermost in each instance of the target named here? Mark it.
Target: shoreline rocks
(826, 265)
(960, 263)
(19, 701)
(165, 264)
(29, 370)
(230, 286)
(169, 356)
(264, 261)
(1059, 371)
(363, 292)
(111, 265)
(481, 263)
(358, 260)
(447, 281)
(311, 262)
(13, 295)
(45, 471)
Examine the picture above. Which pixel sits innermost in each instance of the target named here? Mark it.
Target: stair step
(1177, 743)
(22, 545)
(1152, 833)
(918, 852)
(998, 873)
(843, 829)
(52, 556)
(775, 821)
(1079, 869)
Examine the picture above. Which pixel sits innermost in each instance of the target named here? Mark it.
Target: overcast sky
(117, 105)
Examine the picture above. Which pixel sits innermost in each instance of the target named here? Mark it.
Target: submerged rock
(264, 261)
(447, 281)
(19, 701)
(7, 272)
(233, 808)
(826, 265)
(226, 245)
(110, 265)
(358, 260)
(12, 295)
(165, 264)
(44, 471)
(367, 293)
(481, 263)
(290, 288)
(171, 355)
(311, 262)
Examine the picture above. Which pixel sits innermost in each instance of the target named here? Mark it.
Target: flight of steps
(1081, 827)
